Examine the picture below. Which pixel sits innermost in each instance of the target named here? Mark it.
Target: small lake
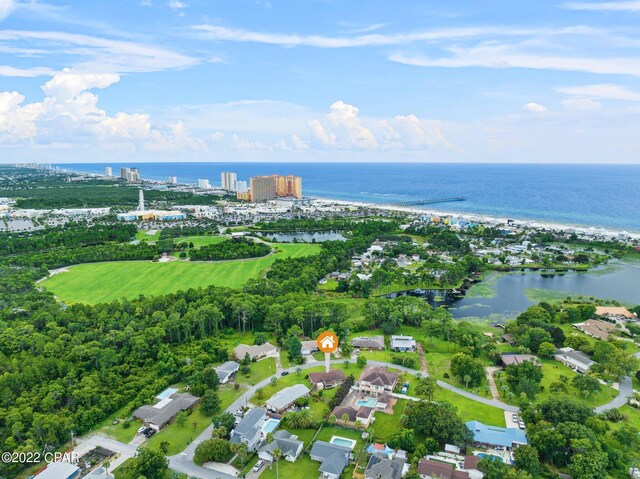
(617, 280)
(304, 236)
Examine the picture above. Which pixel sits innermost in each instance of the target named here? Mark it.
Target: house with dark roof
(376, 380)
(382, 468)
(249, 429)
(340, 411)
(288, 444)
(164, 411)
(429, 469)
(332, 458)
(510, 339)
(226, 371)
(325, 380)
(368, 342)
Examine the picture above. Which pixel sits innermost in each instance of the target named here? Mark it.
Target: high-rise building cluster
(229, 182)
(108, 172)
(266, 188)
(130, 175)
(204, 184)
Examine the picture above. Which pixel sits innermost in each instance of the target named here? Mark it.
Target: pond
(506, 295)
(304, 236)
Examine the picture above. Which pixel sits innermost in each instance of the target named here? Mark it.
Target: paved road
(625, 390)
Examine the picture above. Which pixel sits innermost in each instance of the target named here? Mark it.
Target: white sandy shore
(483, 219)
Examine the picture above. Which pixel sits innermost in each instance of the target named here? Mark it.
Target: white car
(521, 424)
(258, 466)
(515, 418)
(141, 429)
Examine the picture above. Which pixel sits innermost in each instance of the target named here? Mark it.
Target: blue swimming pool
(166, 393)
(270, 425)
(343, 441)
(369, 402)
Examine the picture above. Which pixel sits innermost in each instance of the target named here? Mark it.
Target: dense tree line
(231, 249)
(72, 234)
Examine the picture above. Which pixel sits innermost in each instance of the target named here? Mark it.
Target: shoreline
(473, 217)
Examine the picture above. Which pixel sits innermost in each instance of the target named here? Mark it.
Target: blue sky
(320, 80)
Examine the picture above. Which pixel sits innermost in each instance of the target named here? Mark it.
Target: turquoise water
(340, 441)
(593, 195)
(166, 393)
(370, 402)
(270, 425)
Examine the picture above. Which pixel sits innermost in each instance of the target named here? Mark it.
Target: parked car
(521, 424)
(284, 373)
(258, 466)
(142, 429)
(515, 418)
(357, 352)
(148, 434)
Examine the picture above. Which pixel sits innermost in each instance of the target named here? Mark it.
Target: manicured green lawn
(471, 410)
(102, 282)
(142, 235)
(259, 370)
(330, 285)
(122, 473)
(179, 437)
(303, 468)
(385, 424)
(199, 241)
(632, 418)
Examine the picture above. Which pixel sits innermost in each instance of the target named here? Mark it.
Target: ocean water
(590, 195)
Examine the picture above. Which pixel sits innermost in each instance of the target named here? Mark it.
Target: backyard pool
(166, 393)
(270, 425)
(369, 402)
(343, 441)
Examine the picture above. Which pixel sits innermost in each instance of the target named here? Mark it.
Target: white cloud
(242, 144)
(6, 8)
(96, 54)
(69, 114)
(510, 56)
(626, 6)
(298, 143)
(603, 90)
(217, 32)
(176, 5)
(217, 136)
(579, 103)
(534, 107)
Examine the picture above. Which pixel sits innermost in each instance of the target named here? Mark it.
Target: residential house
(403, 343)
(510, 339)
(163, 412)
(368, 342)
(250, 429)
(471, 466)
(226, 371)
(596, 328)
(326, 380)
(255, 351)
(576, 360)
(381, 468)
(285, 398)
(615, 313)
(60, 470)
(375, 381)
(340, 411)
(492, 436)
(514, 358)
(429, 469)
(309, 347)
(332, 457)
(288, 444)
(381, 450)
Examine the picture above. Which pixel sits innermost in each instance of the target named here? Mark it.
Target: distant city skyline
(193, 80)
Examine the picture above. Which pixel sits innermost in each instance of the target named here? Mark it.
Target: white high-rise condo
(108, 172)
(203, 183)
(228, 180)
(140, 200)
(172, 180)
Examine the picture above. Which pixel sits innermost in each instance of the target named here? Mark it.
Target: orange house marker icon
(327, 342)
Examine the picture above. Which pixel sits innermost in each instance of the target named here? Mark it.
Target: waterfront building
(108, 172)
(288, 186)
(228, 180)
(172, 180)
(130, 175)
(263, 188)
(204, 184)
(241, 186)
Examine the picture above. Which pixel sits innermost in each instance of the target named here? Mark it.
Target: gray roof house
(309, 347)
(164, 411)
(368, 342)
(382, 468)
(255, 351)
(333, 458)
(226, 371)
(286, 397)
(576, 360)
(289, 444)
(249, 429)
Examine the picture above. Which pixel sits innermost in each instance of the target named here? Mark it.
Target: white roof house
(286, 397)
(574, 359)
(60, 470)
(403, 343)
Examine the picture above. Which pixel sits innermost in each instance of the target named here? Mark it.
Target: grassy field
(259, 370)
(199, 241)
(102, 282)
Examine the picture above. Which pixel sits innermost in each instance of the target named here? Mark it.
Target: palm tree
(345, 418)
(276, 454)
